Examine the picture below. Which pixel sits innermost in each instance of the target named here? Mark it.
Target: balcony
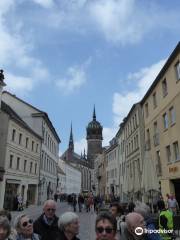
(156, 139)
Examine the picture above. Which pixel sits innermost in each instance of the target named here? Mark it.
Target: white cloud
(22, 84)
(74, 79)
(15, 53)
(128, 21)
(108, 134)
(45, 3)
(141, 81)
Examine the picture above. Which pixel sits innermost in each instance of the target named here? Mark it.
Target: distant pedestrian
(55, 196)
(172, 204)
(74, 202)
(47, 224)
(20, 202)
(80, 202)
(69, 226)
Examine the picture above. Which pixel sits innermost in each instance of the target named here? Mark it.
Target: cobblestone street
(87, 220)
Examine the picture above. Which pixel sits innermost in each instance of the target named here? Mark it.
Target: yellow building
(161, 110)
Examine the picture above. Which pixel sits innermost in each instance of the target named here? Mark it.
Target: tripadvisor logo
(139, 231)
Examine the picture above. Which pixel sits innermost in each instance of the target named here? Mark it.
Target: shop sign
(173, 169)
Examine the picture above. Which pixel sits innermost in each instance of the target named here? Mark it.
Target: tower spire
(71, 141)
(94, 113)
(84, 154)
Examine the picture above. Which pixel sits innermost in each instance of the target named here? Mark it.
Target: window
(156, 134)
(20, 138)
(176, 151)
(35, 171)
(11, 161)
(172, 115)
(30, 170)
(165, 121)
(18, 163)
(158, 165)
(13, 135)
(155, 127)
(27, 142)
(146, 110)
(32, 145)
(154, 100)
(164, 87)
(168, 153)
(177, 68)
(25, 164)
(37, 146)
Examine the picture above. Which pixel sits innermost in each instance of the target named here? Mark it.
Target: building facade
(41, 124)
(112, 169)
(20, 159)
(134, 152)
(162, 125)
(121, 162)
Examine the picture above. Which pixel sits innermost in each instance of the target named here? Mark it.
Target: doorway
(176, 183)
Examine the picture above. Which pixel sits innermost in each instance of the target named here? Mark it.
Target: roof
(161, 73)
(59, 170)
(13, 115)
(76, 159)
(39, 114)
(111, 148)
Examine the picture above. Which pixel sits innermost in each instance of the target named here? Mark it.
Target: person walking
(5, 228)
(24, 227)
(69, 226)
(165, 221)
(172, 204)
(105, 227)
(74, 202)
(47, 224)
(80, 202)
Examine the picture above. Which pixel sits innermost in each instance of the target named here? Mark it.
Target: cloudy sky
(64, 56)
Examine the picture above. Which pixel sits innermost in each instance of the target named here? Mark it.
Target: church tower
(94, 139)
(70, 150)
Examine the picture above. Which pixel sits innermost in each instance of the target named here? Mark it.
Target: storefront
(11, 191)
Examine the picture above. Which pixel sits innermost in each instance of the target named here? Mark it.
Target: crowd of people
(117, 223)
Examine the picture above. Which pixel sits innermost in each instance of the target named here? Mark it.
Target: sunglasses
(51, 209)
(30, 221)
(101, 230)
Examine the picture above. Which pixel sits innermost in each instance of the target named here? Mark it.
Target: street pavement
(87, 220)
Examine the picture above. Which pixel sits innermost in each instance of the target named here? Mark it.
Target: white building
(112, 169)
(19, 157)
(73, 177)
(61, 187)
(41, 124)
(121, 163)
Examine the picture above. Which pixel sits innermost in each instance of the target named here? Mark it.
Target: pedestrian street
(87, 220)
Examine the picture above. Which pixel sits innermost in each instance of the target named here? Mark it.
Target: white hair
(142, 209)
(67, 218)
(49, 202)
(17, 221)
